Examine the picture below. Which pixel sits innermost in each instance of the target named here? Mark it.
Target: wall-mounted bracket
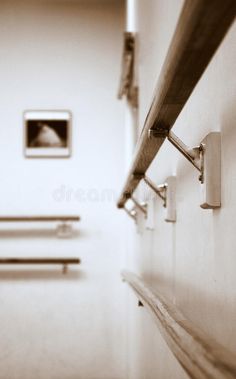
(211, 184)
(64, 230)
(127, 86)
(160, 190)
(193, 155)
(132, 213)
(64, 269)
(142, 207)
(167, 193)
(206, 158)
(170, 210)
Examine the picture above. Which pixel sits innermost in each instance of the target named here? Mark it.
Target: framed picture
(47, 134)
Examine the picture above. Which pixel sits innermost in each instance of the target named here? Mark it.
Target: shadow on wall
(36, 233)
(41, 274)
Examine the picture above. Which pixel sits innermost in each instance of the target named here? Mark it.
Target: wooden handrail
(39, 218)
(200, 356)
(39, 261)
(201, 28)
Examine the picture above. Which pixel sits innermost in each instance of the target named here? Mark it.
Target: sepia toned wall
(63, 55)
(192, 262)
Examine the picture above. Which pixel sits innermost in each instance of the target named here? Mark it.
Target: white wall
(191, 262)
(63, 55)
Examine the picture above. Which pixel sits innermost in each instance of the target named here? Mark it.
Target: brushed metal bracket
(193, 155)
(160, 190)
(206, 158)
(167, 192)
(141, 206)
(132, 213)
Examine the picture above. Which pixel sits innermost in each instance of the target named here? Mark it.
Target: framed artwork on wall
(47, 134)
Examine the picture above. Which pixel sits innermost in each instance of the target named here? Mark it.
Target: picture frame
(47, 133)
